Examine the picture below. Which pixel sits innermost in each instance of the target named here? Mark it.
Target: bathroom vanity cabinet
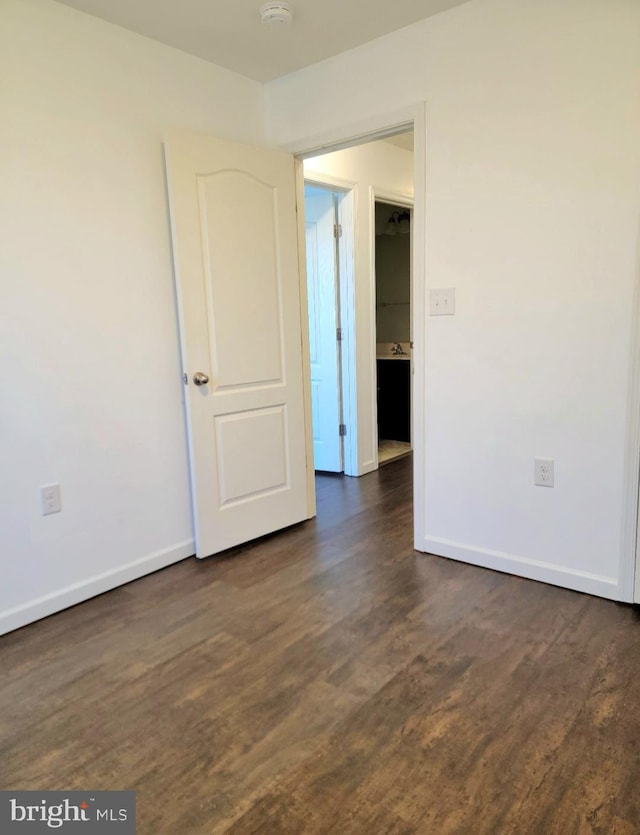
(394, 399)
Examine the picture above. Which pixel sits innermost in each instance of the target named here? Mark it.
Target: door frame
(396, 198)
(346, 136)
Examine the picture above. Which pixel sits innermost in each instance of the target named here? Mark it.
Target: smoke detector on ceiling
(276, 13)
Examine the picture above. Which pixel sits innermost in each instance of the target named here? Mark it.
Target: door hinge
(339, 334)
(337, 230)
(343, 430)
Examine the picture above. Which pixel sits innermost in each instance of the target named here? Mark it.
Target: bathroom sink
(384, 351)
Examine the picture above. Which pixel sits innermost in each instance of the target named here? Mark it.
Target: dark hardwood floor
(331, 680)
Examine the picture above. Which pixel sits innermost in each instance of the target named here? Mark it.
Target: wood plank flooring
(331, 680)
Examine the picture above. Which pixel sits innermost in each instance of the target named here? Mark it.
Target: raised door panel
(252, 452)
(238, 216)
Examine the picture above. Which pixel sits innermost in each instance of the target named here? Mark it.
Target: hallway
(330, 680)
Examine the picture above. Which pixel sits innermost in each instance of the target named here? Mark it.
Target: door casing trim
(343, 136)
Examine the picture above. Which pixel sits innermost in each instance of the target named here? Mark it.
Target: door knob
(200, 379)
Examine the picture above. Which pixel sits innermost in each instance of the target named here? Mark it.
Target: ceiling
(229, 32)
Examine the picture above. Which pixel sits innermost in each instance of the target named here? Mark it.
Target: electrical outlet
(543, 472)
(50, 497)
(442, 302)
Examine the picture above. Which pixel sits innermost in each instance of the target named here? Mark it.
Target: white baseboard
(368, 467)
(47, 605)
(523, 567)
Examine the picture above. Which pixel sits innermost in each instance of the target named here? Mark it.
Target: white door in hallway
(233, 217)
(322, 293)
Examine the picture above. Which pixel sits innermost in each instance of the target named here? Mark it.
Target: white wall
(533, 198)
(533, 206)
(89, 360)
(372, 168)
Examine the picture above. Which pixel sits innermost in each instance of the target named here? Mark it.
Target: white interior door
(323, 323)
(233, 219)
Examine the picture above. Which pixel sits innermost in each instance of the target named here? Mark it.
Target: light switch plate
(442, 302)
(50, 498)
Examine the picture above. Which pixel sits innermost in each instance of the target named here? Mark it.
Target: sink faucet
(397, 350)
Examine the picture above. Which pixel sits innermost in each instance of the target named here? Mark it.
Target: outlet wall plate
(543, 472)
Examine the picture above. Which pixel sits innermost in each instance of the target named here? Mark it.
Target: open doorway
(393, 329)
(346, 336)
